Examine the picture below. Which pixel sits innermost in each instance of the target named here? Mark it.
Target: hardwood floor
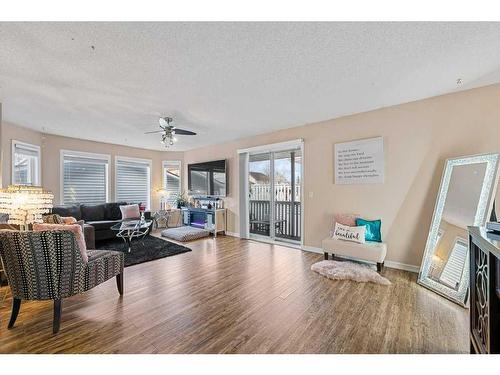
(235, 296)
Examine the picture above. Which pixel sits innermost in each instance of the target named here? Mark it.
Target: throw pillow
(68, 220)
(52, 219)
(346, 233)
(75, 228)
(130, 211)
(73, 211)
(373, 232)
(345, 219)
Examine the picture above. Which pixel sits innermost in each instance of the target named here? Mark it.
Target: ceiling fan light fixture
(169, 132)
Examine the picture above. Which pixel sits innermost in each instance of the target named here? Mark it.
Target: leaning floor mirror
(465, 198)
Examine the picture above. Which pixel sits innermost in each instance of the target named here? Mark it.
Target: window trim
(81, 154)
(36, 148)
(163, 174)
(149, 162)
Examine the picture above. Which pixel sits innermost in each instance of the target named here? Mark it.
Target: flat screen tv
(208, 179)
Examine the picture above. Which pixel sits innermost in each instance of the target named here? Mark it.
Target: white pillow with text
(346, 233)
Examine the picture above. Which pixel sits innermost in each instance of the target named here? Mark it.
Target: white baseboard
(387, 263)
(232, 234)
(312, 249)
(402, 266)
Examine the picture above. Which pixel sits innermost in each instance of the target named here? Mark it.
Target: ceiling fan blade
(183, 132)
(156, 131)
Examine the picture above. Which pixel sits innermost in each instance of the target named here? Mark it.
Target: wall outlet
(311, 194)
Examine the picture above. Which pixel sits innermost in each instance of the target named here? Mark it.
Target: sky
(281, 167)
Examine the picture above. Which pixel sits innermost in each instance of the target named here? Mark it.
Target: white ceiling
(228, 80)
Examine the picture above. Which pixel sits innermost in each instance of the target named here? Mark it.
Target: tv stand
(213, 220)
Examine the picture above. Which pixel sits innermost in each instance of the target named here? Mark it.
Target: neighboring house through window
(26, 161)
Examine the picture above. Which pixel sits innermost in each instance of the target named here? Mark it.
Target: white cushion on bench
(369, 251)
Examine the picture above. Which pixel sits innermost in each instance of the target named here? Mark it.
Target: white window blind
(85, 178)
(172, 180)
(25, 164)
(133, 181)
(452, 272)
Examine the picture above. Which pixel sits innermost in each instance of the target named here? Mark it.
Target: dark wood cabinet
(484, 291)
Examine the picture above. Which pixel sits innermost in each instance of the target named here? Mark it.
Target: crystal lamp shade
(25, 204)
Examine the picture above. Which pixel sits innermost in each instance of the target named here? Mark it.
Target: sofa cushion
(369, 251)
(112, 210)
(102, 224)
(73, 211)
(92, 213)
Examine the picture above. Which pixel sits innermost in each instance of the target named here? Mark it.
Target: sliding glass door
(259, 203)
(287, 186)
(274, 205)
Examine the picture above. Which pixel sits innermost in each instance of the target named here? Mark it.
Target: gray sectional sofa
(101, 217)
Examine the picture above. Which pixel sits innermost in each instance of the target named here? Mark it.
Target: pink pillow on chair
(75, 228)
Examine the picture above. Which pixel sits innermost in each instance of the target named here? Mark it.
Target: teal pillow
(372, 229)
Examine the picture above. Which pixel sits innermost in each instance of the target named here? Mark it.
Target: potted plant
(181, 200)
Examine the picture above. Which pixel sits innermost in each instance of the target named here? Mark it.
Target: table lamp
(25, 205)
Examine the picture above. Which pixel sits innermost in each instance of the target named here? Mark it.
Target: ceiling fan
(169, 131)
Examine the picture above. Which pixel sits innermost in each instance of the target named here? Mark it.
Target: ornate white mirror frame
(483, 211)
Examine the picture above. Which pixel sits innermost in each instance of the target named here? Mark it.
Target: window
(133, 180)
(25, 164)
(84, 178)
(220, 183)
(172, 180)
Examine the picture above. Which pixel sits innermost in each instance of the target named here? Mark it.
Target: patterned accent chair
(48, 265)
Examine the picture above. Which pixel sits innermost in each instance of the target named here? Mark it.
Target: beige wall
(51, 145)
(418, 137)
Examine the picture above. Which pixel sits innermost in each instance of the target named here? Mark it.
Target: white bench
(369, 251)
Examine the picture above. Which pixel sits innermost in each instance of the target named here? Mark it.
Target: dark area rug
(143, 250)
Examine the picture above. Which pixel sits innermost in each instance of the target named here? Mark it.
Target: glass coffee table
(130, 229)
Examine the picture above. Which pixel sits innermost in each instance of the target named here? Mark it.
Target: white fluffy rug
(349, 271)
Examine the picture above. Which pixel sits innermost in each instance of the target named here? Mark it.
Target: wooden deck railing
(282, 192)
(287, 222)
